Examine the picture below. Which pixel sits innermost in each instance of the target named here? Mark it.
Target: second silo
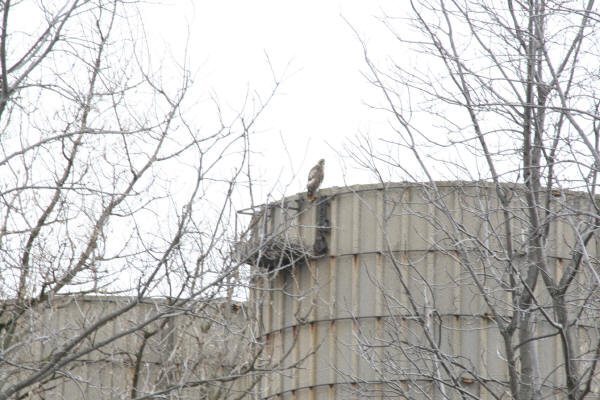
(425, 291)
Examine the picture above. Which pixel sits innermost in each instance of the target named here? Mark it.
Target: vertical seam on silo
(313, 332)
(277, 381)
(282, 299)
(262, 285)
(458, 304)
(298, 224)
(355, 224)
(332, 315)
(405, 219)
(333, 238)
(271, 218)
(332, 287)
(379, 284)
(264, 384)
(355, 309)
(111, 375)
(456, 262)
(314, 289)
(357, 206)
(431, 216)
(332, 351)
(313, 326)
(282, 307)
(379, 287)
(379, 221)
(296, 331)
(559, 234)
(45, 325)
(355, 286)
(557, 347)
(429, 299)
(484, 348)
(269, 308)
(405, 276)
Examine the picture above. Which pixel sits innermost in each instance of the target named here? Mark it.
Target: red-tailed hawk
(315, 177)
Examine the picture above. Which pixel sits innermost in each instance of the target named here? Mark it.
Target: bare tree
(117, 275)
(501, 96)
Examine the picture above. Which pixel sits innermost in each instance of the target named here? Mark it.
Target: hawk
(315, 177)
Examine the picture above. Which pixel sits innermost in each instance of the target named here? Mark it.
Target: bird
(315, 177)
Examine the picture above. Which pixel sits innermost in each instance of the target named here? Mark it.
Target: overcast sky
(321, 103)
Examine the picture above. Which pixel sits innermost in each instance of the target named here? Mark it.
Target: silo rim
(357, 188)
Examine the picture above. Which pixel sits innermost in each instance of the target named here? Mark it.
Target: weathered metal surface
(185, 348)
(317, 311)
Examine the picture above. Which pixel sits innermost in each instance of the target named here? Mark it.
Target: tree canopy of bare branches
(497, 92)
(116, 213)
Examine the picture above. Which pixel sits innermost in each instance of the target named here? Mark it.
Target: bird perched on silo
(315, 177)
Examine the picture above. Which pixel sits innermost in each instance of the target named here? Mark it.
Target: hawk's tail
(310, 195)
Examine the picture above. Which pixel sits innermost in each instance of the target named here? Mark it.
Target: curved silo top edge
(347, 219)
(358, 188)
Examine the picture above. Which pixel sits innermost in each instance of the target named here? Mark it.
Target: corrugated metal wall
(186, 348)
(317, 312)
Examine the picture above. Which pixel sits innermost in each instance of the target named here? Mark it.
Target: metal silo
(351, 267)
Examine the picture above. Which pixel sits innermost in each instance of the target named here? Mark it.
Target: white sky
(322, 100)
